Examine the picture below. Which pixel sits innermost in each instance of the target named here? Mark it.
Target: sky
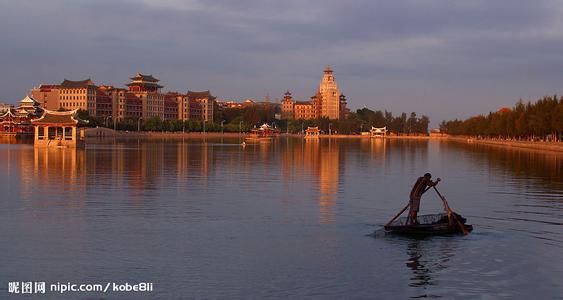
(445, 59)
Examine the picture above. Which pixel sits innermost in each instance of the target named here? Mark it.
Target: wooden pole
(450, 213)
(400, 213)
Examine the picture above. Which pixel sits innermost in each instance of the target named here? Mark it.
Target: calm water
(284, 219)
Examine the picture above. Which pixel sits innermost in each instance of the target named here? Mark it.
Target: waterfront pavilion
(59, 129)
(312, 132)
(378, 131)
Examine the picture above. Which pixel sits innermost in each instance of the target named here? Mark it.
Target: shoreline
(107, 133)
(538, 146)
(93, 133)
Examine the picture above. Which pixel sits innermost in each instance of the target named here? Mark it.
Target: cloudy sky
(445, 59)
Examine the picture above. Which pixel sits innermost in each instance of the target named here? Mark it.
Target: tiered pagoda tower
(147, 89)
(144, 83)
(330, 96)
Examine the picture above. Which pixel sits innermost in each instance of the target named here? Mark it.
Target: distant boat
(312, 133)
(264, 133)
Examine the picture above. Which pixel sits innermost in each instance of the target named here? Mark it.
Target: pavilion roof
(8, 112)
(378, 129)
(28, 101)
(50, 117)
(144, 77)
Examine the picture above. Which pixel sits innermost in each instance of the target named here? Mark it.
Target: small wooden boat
(437, 224)
(264, 133)
(447, 222)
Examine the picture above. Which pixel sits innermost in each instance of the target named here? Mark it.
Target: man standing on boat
(420, 187)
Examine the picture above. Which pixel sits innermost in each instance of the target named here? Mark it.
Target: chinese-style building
(58, 129)
(78, 95)
(378, 132)
(17, 121)
(327, 102)
(146, 88)
(142, 99)
(330, 96)
(312, 132)
(5, 106)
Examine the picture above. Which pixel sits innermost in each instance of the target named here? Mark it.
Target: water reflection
(544, 167)
(219, 220)
(427, 259)
(422, 275)
(321, 159)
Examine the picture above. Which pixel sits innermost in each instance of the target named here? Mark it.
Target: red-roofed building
(58, 129)
(146, 88)
(17, 121)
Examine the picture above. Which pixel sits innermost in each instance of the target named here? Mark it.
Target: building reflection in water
(132, 170)
(322, 159)
(328, 181)
(48, 171)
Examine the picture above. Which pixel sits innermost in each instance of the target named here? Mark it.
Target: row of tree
(542, 120)
(401, 124)
(244, 119)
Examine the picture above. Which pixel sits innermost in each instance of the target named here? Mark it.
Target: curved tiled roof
(28, 101)
(204, 94)
(59, 118)
(143, 77)
(80, 84)
(148, 83)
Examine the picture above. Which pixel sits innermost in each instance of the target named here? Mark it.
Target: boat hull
(418, 230)
(437, 224)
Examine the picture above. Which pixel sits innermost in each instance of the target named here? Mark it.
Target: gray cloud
(442, 58)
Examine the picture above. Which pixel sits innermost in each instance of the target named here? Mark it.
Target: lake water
(212, 219)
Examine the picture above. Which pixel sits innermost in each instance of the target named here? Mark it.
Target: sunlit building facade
(146, 88)
(327, 102)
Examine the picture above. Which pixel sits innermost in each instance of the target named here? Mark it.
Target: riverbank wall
(541, 146)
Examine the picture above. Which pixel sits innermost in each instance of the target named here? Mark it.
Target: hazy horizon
(443, 59)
